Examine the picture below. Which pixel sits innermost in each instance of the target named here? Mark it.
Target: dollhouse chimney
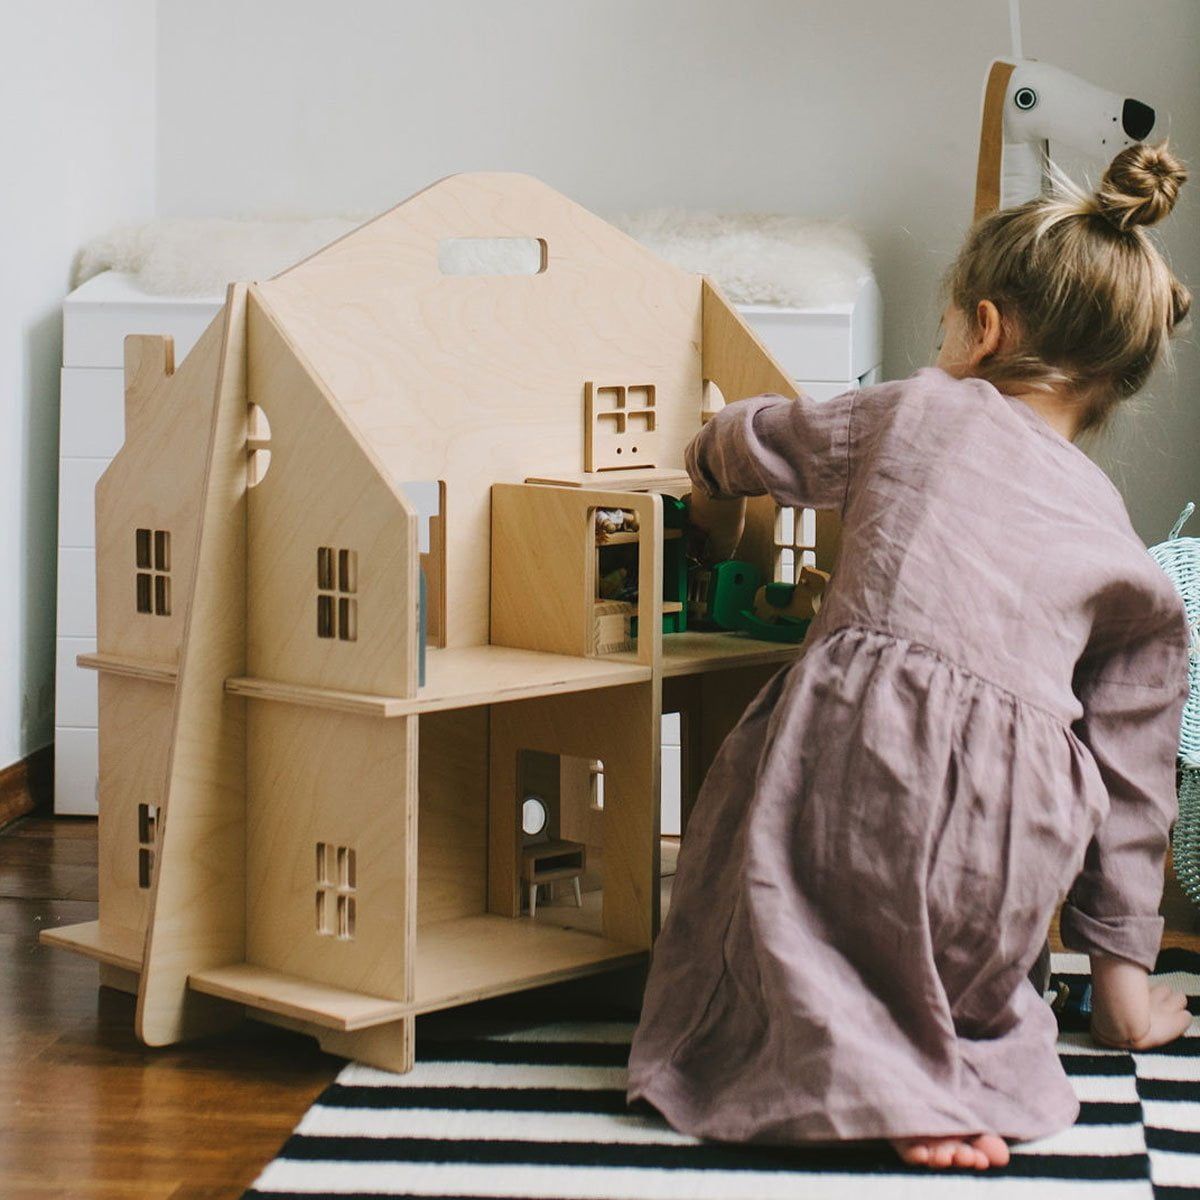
(149, 359)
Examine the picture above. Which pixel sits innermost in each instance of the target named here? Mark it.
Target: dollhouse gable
(468, 380)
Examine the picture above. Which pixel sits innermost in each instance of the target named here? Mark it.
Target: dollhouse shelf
(471, 958)
(114, 945)
(458, 961)
(461, 677)
(619, 539)
(692, 653)
(133, 668)
(300, 999)
(650, 479)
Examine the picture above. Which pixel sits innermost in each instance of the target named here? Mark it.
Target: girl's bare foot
(979, 1151)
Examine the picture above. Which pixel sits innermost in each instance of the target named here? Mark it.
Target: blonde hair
(1086, 299)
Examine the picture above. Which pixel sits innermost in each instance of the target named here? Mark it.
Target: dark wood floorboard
(86, 1111)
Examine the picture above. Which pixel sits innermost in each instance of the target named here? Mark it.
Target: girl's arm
(721, 521)
(1128, 1012)
(1133, 693)
(796, 451)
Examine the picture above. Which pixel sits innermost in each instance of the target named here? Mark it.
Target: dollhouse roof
(476, 379)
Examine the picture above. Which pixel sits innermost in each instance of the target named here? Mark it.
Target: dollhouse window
(596, 785)
(795, 542)
(337, 604)
(147, 818)
(336, 891)
(428, 497)
(152, 556)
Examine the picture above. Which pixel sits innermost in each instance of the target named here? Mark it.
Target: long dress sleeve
(796, 451)
(1133, 702)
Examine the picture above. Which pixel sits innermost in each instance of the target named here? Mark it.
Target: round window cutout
(533, 816)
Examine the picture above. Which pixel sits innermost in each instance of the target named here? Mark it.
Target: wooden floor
(86, 1111)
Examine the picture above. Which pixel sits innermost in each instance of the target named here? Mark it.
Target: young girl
(985, 716)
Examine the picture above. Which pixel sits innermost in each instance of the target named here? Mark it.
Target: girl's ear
(989, 331)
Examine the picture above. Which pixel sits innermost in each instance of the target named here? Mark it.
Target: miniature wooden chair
(546, 862)
(545, 859)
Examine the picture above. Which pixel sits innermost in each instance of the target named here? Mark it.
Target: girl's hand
(720, 521)
(1130, 1014)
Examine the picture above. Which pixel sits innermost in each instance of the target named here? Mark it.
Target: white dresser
(827, 351)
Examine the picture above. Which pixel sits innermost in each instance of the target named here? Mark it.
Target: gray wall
(76, 156)
(867, 109)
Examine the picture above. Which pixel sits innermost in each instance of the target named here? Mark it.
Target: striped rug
(498, 1107)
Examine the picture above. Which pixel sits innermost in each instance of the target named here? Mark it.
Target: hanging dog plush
(1030, 106)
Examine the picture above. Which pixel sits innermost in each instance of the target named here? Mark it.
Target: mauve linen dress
(985, 715)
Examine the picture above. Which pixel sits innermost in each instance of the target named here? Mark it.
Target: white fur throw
(756, 259)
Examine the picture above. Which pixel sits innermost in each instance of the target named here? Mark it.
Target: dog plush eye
(1025, 98)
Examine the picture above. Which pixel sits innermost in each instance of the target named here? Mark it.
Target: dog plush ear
(991, 139)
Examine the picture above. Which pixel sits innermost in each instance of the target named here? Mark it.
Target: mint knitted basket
(1179, 557)
(1185, 840)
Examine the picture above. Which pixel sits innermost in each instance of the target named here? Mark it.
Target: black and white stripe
(539, 1114)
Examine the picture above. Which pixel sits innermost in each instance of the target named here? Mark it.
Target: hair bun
(1140, 186)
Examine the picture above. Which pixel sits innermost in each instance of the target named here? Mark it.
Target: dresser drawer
(76, 593)
(77, 501)
(98, 314)
(842, 341)
(75, 687)
(92, 421)
(76, 772)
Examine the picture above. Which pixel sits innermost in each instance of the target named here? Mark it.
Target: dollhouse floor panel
(458, 961)
(691, 652)
(301, 999)
(464, 675)
(470, 958)
(108, 944)
(461, 677)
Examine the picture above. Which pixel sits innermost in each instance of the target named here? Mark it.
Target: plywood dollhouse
(313, 780)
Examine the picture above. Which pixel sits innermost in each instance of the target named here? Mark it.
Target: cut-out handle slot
(492, 256)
